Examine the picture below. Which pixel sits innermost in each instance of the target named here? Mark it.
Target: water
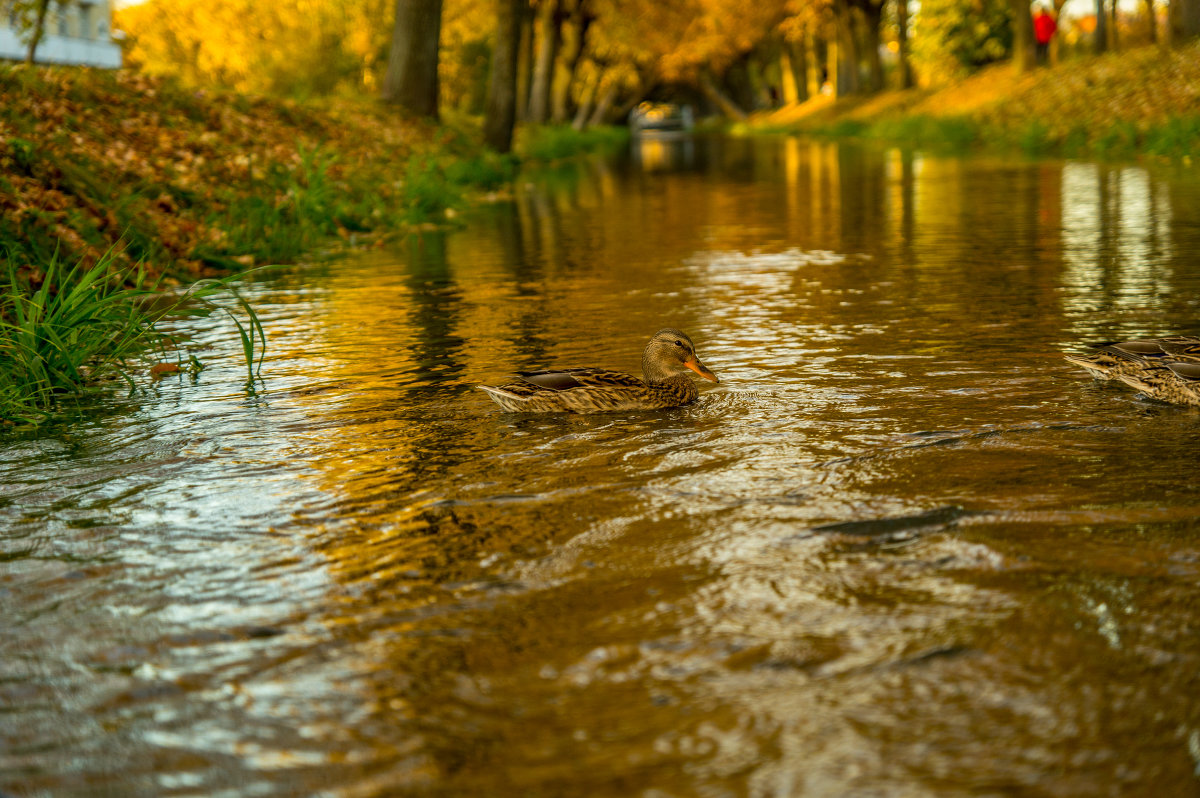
(902, 548)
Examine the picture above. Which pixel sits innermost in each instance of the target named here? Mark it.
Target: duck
(668, 362)
(1167, 369)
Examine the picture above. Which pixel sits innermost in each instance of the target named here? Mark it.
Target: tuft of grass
(1035, 138)
(83, 329)
(1178, 137)
(949, 133)
(1075, 143)
(487, 172)
(847, 128)
(1119, 140)
(290, 211)
(427, 193)
(556, 142)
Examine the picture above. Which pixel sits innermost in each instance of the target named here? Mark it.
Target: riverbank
(114, 185)
(1140, 103)
(195, 183)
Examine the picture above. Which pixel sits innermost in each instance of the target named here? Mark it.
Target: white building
(77, 32)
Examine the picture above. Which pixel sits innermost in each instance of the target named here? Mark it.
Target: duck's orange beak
(695, 365)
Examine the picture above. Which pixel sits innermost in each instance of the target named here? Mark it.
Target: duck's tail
(507, 400)
(1138, 384)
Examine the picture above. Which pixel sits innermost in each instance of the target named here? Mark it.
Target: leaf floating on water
(912, 524)
(159, 370)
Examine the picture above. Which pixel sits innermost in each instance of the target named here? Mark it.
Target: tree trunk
(737, 84)
(847, 68)
(549, 35)
(1183, 21)
(1114, 43)
(1151, 22)
(788, 90)
(524, 64)
(501, 111)
(902, 66)
(812, 64)
(600, 115)
(833, 65)
(1024, 56)
(792, 61)
(719, 99)
(574, 44)
(1100, 35)
(872, 18)
(411, 80)
(762, 93)
(586, 101)
(39, 27)
(1056, 41)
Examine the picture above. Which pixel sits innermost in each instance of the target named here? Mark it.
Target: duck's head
(671, 353)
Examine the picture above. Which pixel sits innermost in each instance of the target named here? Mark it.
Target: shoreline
(1130, 105)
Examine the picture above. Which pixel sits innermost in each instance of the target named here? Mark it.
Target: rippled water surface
(902, 548)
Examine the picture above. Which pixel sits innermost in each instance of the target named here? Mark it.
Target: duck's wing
(1174, 347)
(566, 379)
(1141, 350)
(1186, 371)
(1182, 347)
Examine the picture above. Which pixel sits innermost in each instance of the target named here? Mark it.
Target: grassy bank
(113, 184)
(1140, 103)
(190, 182)
(88, 327)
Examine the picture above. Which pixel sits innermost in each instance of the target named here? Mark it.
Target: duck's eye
(679, 344)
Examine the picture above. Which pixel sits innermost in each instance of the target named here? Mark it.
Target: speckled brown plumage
(1167, 369)
(667, 361)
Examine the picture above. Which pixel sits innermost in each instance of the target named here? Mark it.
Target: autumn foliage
(187, 180)
(1144, 102)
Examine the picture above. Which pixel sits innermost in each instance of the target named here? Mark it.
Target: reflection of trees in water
(446, 649)
(435, 308)
(1122, 230)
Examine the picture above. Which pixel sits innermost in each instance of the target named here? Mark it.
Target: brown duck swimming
(1167, 369)
(666, 363)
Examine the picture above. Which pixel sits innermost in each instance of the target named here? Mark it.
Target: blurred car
(652, 116)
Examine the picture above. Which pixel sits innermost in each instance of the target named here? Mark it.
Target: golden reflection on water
(473, 602)
(599, 576)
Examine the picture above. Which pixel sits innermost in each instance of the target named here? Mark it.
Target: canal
(902, 548)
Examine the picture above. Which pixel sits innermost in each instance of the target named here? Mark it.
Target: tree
(1022, 22)
(524, 64)
(411, 80)
(902, 65)
(871, 17)
(958, 36)
(574, 43)
(1183, 21)
(1100, 34)
(792, 59)
(501, 111)
(29, 23)
(549, 31)
(289, 47)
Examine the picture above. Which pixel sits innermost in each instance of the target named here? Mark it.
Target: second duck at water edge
(1167, 369)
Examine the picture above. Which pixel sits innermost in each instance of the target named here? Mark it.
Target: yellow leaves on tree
(295, 47)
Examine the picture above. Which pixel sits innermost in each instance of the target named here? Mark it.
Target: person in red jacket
(1044, 27)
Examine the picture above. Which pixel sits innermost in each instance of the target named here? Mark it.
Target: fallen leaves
(87, 156)
(160, 370)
